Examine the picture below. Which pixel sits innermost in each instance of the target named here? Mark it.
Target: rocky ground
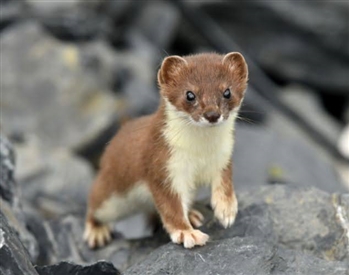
(73, 71)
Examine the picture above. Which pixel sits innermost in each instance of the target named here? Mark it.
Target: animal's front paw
(189, 238)
(225, 209)
(97, 235)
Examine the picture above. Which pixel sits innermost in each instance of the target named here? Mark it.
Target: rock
(307, 104)
(305, 219)
(65, 268)
(272, 215)
(142, 97)
(280, 157)
(80, 21)
(61, 187)
(53, 182)
(234, 256)
(343, 147)
(41, 8)
(128, 73)
(8, 187)
(62, 239)
(343, 142)
(10, 200)
(16, 219)
(101, 60)
(14, 256)
(272, 234)
(147, 23)
(75, 24)
(48, 93)
(146, 39)
(310, 50)
(254, 110)
(10, 12)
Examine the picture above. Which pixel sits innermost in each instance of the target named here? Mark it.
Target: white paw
(97, 235)
(225, 210)
(189, 238)
(196, 218)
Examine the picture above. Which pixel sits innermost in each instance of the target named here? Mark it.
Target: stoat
(156, 162)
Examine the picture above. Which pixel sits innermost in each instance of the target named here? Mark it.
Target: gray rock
(8, 186)
(309, 18)
(79, 24)
(141, 97)
(305, 219)
(11, 200)
(14, 256)
(129, 73)
(48, 93)
(262, 155)
(16, 219)
(158, 22)
(65, 268)
(41, 8)
(290, 219)
(277, 215)
(146, 39)
(307, 104)
(343, 142)
(51, 241)
(343, 147)
(101, 60)
(309, 49)
(10, 12)
(279, 230)
(54, 182)
(79, 20)
(61, 186)
(234, 256)
(64, 239)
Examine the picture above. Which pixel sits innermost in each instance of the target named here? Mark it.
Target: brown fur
(139, 151)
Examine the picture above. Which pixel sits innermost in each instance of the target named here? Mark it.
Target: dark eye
(190, 96)
(227, 94)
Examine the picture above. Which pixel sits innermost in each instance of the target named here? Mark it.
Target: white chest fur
(198, 154)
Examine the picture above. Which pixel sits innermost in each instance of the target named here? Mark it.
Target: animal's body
(156, 162)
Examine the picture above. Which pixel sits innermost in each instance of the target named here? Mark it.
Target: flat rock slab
(293, 220)
(305, 219)
(243, 256)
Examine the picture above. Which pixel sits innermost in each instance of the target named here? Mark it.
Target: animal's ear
(237, 65)
(170, 69)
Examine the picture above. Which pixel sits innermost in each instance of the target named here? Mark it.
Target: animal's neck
(182, 134)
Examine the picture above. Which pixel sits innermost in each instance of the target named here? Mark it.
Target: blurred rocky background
(73, 71)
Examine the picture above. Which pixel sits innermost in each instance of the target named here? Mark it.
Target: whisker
(250, 121)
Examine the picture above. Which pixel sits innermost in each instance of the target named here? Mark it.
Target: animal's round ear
(170, 69)
(237, 65)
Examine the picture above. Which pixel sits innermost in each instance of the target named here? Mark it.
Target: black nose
(212, 116)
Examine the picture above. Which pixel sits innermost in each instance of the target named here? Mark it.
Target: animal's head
(205, 88)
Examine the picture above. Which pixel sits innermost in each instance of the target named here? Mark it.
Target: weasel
(156, 162)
